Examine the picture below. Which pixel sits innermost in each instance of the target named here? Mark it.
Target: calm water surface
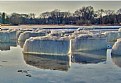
(81, 67)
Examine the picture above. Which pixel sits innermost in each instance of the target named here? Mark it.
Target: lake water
(81, 67)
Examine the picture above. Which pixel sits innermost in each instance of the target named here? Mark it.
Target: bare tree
(100, 14)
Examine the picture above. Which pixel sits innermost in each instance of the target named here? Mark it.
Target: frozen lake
(79, 67)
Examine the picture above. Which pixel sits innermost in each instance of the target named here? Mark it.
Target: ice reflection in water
(116, 59)
(89, 56)
(56, 62)
(51, 62)
(42, 67)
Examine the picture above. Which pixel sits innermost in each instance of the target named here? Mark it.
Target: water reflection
(116, 59)
(63, 63)
(89, 56)
(48, 61)
(6, 46)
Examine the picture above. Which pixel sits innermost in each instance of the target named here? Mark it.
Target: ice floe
(27, 34)
(85, 42)
(116, 49)
(47, 45)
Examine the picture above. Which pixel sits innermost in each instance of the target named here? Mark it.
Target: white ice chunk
(77, 33)
(47, 45)
(4, 36)
(18, 34)
(85, 42)
(56, 33)
(112, 35)
(13, 35)
(7, 35)
(27, 34)
(116, 49)
(119, 29)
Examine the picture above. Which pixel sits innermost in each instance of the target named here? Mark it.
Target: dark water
(81, 67)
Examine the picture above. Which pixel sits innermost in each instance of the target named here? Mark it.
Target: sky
(38, 7)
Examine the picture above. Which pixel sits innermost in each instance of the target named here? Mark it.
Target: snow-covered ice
(4, 36)
(119, 29)
(27, 34)
(13, 35)
(112, 36)
(55, 33)
(47, 45)
(116, 49)
(86, 42)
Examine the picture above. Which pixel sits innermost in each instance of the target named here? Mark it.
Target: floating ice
(77, 33)
(23, 30)
(18, 34)
(112, 36)
(21, 43)
(86, 42)
(4, 36)
(119, 29)
(7, 45)
(27, 34)
(24, 35)
(12, 35)
(47, 45)
(56, 33)
(116, 49)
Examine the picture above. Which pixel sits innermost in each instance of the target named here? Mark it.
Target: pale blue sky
(38, 7)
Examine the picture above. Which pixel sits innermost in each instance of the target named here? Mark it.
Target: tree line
(83, 16)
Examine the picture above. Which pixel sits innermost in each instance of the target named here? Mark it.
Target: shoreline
(59, 26)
